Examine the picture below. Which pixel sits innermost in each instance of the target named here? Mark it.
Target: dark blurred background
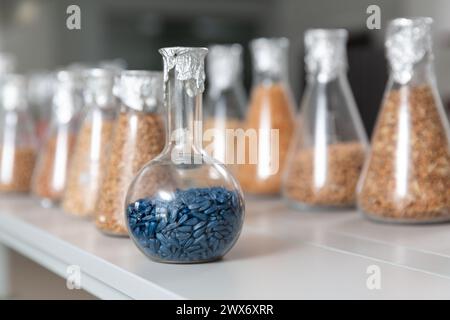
(35, 32)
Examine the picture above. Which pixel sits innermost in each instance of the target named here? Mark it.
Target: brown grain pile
(15, 175)
(50, 176)
(270, 108)
(138, 138)
(408, 180)
(87, 168)
(342, 170)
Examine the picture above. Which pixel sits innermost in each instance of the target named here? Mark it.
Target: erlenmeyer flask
(138, 137)
(183, 206)
(92, 147)
(225, 103)
(50, 175)
(17, 138)
(327, 155)
(406, 177)
(270, 119)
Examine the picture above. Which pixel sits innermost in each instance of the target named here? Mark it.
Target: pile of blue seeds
(198, 224)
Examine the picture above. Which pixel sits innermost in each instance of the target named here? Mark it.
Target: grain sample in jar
(328, 152)
(270, 119)
(92, 146)
(17, 140)
(406, 177)
(139, 136)
(225, 103)
(50, 175)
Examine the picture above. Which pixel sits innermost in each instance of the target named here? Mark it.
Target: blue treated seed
(189, 242)
(210, 210)
(204, 205)
(184, 228)
(183, 219)
(191, 222)
(199, 225)
(199, 232)
(199, 215)
(171, 226)
(212, 224)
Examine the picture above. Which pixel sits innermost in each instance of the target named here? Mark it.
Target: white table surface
(281, 254)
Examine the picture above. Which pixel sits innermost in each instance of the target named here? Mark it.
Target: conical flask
(406, 177)
(327, 155)
(225, 103)
(270, 119)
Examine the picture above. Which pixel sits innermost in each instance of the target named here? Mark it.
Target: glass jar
(225, 103)
(183, 206)
(406, 177)
(327, 154)
(138, 137)
(50, 175)
(92, 146)
(17, 138)
(270, 119)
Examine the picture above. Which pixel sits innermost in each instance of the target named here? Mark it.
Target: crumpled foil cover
(270, 55)
(224, 65)
(189, 64)
(140, 90)
(326, 53)
(13, 90)
(408, 42)
(99, 85)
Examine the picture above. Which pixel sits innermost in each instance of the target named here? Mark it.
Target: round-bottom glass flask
(183, 206)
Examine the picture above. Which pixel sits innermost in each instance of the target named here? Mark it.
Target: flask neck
(184, 78)
(338, 75)
(184, 116)
(421, 73)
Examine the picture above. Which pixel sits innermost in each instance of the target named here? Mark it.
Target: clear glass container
(184, 206)
(17, 138)
(406, 176)
(327, 154)
(270, 119)
(50, 175)
(138, 137)
(92, 146)
(225, 103)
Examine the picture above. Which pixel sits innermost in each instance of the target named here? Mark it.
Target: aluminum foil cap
(68, 98)
(13, 92)
(270, 56)
(140, 90)
(99, 85)
(408, 42)
(326, 54)
(189, 64)
(224, 65)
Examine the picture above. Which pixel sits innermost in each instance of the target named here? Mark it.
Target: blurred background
(35, 32)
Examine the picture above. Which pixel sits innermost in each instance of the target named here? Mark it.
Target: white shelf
(281, 254)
